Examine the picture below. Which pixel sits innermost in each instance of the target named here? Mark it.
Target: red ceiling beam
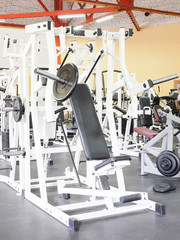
(133, 20)
(12, 25)
(126, 7)
(127, 2)
(58, 5)
(56, 13)
(46, 9)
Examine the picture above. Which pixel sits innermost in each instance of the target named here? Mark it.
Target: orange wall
(154, 52)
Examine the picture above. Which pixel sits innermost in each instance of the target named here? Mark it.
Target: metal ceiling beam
(133, 20)
(56, 13)
(58, 5)
(12, 25)
(126, 7)
(46, 9)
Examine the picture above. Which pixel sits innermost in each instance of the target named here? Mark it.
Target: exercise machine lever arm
(165, 79)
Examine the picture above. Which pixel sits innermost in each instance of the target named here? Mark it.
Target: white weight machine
(39, 101)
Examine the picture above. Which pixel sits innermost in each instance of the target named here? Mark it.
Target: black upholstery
(89, 128)
(145, 119)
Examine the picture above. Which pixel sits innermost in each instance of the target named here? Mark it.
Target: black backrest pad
(89, 128)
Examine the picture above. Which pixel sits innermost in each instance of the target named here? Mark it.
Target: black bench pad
(89, 128)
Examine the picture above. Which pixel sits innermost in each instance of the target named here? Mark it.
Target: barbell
(65, 81)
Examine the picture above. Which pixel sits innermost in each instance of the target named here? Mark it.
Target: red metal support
(127, 2)
(56, 13)
(46, 9)
(12, 25)
(126, 7)
(133, 20)
(58, 5)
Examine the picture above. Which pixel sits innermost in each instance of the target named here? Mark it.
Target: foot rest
(111, 161)
(145, 132)
(130, 198)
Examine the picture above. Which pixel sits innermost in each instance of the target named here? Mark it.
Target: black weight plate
(162, 187)
(168, 163)
(18, 109)
(172, 187)
(69, 73)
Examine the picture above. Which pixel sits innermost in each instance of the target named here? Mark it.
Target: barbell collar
(8, 109)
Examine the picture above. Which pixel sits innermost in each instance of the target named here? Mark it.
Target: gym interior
(89, 120)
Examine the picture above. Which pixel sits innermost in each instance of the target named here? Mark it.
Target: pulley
(168, 163)
(65, 81)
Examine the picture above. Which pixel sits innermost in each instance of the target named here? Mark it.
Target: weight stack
(5, 140)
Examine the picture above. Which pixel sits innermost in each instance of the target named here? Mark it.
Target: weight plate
(168, 163)
(162, 187)
(69, 73)
(18, 109)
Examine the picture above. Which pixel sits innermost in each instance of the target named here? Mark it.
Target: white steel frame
(19, 134)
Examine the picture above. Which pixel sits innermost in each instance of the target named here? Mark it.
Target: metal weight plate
(69, 73)
(18, 109)
(162, 187)
(168, 163)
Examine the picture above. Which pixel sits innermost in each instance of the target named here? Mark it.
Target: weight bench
(99, 165)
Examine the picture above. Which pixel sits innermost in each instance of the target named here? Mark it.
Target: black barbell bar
(51, 76)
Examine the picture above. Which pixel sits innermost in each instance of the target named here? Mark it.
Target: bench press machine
(99, 165)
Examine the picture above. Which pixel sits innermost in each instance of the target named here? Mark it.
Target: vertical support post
(110, 80)
(38, 149)
(50, 116)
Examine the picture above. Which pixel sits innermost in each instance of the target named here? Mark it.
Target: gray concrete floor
(20, 219)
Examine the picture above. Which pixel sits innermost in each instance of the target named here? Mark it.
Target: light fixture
(104, 18)
(78, 27)
(71, 16)
(2, 20)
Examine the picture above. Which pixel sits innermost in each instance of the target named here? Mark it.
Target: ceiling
(128, 16)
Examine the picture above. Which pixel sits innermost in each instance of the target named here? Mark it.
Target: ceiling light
(71, 16)
(2, 20)
(78, 27)
(104, 18)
